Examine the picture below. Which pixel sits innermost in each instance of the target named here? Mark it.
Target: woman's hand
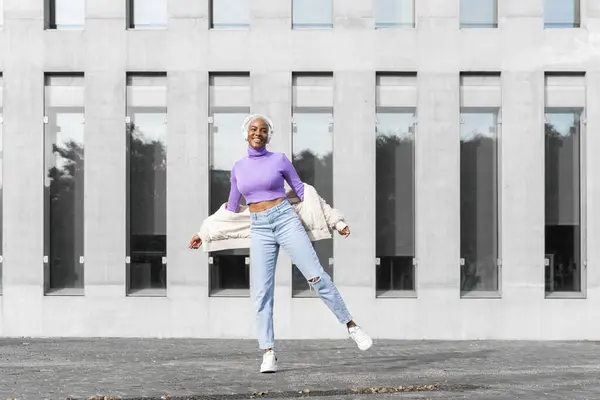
(195, 243)
(345, 232)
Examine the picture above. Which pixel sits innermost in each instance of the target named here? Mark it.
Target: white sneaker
(361, 338)
(269, 363)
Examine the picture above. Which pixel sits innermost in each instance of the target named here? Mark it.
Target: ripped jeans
(270, 229)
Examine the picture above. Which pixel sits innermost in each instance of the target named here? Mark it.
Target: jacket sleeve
(224, 225)
(335, 219)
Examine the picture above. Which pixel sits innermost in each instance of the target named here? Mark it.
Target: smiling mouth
(257, 140)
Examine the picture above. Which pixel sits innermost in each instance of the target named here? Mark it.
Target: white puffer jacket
(225, 230)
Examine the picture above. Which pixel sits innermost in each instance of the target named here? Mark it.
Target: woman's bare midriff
(264, 205)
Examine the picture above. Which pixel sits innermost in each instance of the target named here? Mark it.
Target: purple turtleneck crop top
(259, 177)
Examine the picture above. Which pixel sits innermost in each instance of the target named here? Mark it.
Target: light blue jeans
(270, 229)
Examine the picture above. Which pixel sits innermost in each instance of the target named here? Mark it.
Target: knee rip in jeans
(313, 281)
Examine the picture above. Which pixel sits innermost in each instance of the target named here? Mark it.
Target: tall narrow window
(395, 184)
(565, 185)
(64, 182)
(230, 14)
(147, 14)
(1, 177)
(394, 14)
(312, 154)
(229, 105)
(480, 101)
(147, 184)
(312, 14)
(562, 13)
(65, 14)
(478, 13)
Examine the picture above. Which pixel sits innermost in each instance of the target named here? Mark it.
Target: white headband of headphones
(251, 118)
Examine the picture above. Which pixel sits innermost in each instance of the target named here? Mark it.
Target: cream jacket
(225, 230)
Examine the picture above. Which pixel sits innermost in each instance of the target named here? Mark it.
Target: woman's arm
(233, 203)
(291, 177)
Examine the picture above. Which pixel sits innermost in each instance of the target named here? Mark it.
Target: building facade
(457, 137)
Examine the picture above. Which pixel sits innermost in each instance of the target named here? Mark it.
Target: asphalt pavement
(228, 369)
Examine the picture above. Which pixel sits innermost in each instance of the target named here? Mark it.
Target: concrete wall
(436, 49)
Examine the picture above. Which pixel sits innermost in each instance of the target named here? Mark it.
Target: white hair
(251, 118)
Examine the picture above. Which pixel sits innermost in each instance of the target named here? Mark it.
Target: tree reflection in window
(563, 235)
(479, 199)
(147, 174)
(313, 159)
(394, 200)
(64, 191)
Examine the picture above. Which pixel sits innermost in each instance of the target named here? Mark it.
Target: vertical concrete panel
(105, 180)
(105, 143)
(522, 203)
(438, 40)
(523, 182)
(188, 164)
(438, 8)
(32, 10)
(272, 96)
(186, 45)
(187, 200)
(23, 189)
(106, 9)
(189, 10)
(354, 172)
(187, 181)
(593, 185)
(438, 186)
(141, 56)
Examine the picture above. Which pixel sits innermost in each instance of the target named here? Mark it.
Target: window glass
(395, 204)
(313, 160)
(148, 14)
(394, 14)
(147, 183)
(561, 13)
(229, 270)
(563, 270)
(479, 199)
(66, 14)
(228, 14)
(64, 182)
(478, 13)
(312, 14)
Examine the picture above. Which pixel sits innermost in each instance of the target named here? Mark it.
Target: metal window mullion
(577, 13)
(415, 202)
(583, 237)
(495, 13)
(498, 200)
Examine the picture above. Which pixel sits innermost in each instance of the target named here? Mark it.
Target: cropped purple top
(259, 177)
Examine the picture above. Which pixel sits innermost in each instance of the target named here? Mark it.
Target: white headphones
(251, 118)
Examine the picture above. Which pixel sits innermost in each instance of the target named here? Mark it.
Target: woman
(259, 177)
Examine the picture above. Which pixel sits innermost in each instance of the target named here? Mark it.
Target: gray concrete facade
(436, 49)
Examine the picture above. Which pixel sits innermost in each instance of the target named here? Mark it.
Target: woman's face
(258, 132)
